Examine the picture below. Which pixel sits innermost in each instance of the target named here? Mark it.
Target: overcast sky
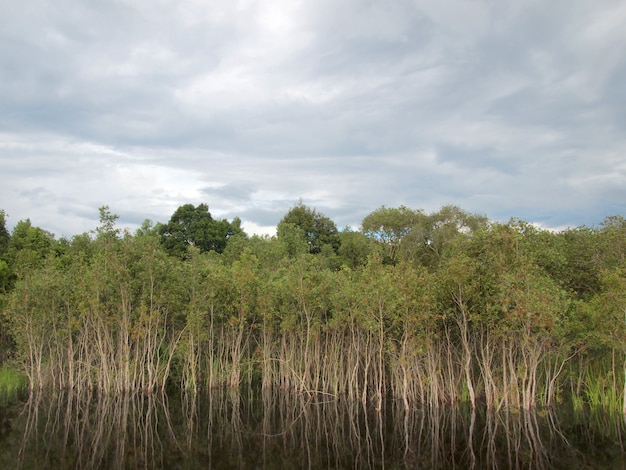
(506, 108)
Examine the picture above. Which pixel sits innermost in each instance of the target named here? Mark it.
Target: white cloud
(512, 108)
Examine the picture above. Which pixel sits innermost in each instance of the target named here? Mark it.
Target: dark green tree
(355, 248)
(5, 271)
(581, 272)
(318, 229)
(194, 226)
(28, 247)
(4, 234)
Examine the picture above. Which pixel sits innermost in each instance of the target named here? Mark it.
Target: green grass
(578, 403)
(11, 381)
(600, 394)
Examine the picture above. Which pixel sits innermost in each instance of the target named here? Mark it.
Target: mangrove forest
(422, 309)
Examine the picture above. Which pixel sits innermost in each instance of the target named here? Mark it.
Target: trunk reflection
(226, 429)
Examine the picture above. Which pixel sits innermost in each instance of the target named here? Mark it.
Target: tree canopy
(4, 234)
(192, 226)
(318, 230)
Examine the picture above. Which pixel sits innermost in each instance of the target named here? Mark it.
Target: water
(226, 430)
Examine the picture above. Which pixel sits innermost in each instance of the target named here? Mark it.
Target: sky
(505, 108)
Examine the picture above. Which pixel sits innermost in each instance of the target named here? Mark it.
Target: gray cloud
(512, 108)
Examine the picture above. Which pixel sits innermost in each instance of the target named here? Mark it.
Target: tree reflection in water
(230, 430)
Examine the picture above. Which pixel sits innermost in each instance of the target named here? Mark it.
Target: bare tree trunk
(463, 323)
(486, 366)
(381, 364)
(554, 375)
(624, 391)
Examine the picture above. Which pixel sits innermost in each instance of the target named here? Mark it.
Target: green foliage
(192, 226)
(438, 235)
(425, 239)
(107, 224)
(148, 229)
(27, 249)
(4, 234)
(425, 307)
(390, 225)
(355, 248)
(292, 239)
(5, 277)
(317, 229)
(11, 382)
(601, 394)
(606, 312)
(5, 271)
(581, 273)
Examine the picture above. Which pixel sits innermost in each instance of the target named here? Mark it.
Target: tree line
(424, 308)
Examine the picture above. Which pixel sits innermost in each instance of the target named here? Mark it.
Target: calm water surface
(240, 431)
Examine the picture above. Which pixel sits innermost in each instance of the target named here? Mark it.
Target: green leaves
(443, 298)
(390, 225)
(317, 229)
(194, 226)
(426, 239)
(4, 234)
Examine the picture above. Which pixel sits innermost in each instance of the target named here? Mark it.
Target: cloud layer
(509, 109)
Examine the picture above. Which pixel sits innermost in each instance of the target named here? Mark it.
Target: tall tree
(389, 226)
(355, 248)
(107, 223)
(28, 247)
(5, 271)
(318, 229)
(194, 226)
(4, 234)
(432, 237)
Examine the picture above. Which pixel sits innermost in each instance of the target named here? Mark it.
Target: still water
(227, 430)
